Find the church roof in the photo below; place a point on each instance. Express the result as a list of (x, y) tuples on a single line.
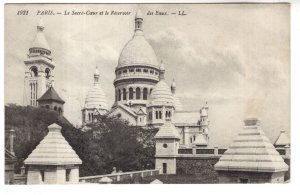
[(168, 130), (53, 150), (251, 151), (200, 140), (124, 107), (96, 98), (51, 94), (40, 40), (282, 139), (137, 51), (161, 94)]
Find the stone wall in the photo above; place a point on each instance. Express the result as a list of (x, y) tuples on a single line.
[(201, 166)]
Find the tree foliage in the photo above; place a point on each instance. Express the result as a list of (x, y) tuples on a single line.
[(110, 142)]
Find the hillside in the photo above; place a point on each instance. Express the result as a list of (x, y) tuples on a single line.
[(110, 142)]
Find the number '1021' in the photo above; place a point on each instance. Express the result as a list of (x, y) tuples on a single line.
[(22, 12)]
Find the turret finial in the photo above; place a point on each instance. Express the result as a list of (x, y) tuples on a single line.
[(40, 25), (138, 20), (162, 71), (96, 75), (173, 86)]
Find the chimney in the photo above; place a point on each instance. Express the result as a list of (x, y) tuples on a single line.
[(11, 141)]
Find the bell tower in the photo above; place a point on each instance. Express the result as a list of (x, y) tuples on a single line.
[(39, 68)]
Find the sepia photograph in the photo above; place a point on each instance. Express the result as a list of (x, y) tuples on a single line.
[(147, 93)]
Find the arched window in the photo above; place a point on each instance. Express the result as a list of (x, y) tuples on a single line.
[(156, 114), (167, 114), (159, 114), (34, 71), (124, 94), (47, 106), (47, 71), (138, 93), (145, 93), (119, 95), (150, 90), (170, 114), (130, 93)]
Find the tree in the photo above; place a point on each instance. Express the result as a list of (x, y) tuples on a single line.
[(110, 142)]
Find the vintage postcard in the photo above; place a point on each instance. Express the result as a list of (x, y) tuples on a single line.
[(147, 93)]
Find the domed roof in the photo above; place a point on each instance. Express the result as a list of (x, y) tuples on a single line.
[(177, 103), (161, 94), (96, 97), (137, 52)]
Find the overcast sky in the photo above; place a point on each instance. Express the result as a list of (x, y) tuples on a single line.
[(235, 57)]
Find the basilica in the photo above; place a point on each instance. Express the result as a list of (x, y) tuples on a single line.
[(142, 96)]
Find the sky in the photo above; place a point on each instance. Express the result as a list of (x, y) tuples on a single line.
[(236, 57)]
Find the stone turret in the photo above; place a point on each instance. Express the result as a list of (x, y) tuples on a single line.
[(53, 161), (166, 147), (251, 158)]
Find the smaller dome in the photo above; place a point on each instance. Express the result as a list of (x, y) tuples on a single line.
[(161, 94), (96, 98)]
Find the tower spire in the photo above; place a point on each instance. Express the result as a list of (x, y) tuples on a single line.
[(173, 86), (161, 71), (138, 21), (96, 76), (40, 26)]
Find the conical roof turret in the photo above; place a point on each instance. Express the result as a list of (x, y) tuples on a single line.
[(53, 150), (252, 151)]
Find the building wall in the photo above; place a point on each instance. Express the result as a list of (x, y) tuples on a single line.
[(9, 172), (171, 165), (252, 177), (52, 174), (197, 165), (171, 149)]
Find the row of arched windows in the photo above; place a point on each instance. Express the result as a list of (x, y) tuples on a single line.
[(34, 72), (158, 115), (138, 70), (122, 94)]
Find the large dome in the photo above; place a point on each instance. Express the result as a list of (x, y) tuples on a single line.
[(138, 52), (161, 94), (96, 98)]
